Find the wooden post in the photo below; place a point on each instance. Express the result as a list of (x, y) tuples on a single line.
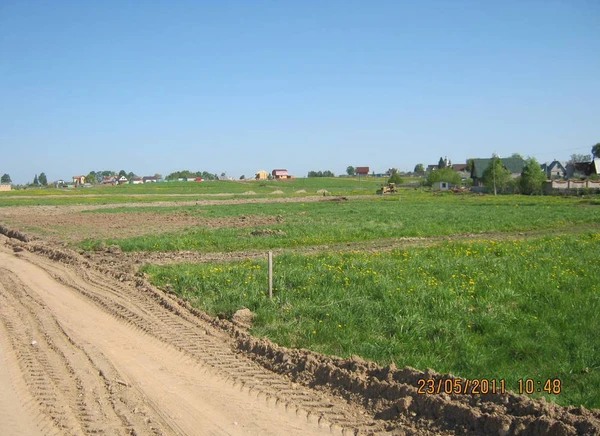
[(270, 275)]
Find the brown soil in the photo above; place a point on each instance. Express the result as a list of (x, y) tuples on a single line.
[(87, 346), (68, 224)]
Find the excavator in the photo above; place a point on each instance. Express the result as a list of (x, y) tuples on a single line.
[(390, 188)]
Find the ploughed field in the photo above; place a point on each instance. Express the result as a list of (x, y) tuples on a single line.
[(501, 292)]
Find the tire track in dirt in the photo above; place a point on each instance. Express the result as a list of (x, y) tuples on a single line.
[(183, 331), (198, 346), (70, 385)]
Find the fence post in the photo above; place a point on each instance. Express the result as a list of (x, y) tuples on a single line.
[(270, 275)]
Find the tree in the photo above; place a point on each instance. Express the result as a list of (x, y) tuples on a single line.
[(242, 177), (350, 170), (130, 175), (443, 175), (35, 180), (396, 178), (580, 158), (532, 177), (419, 169), (516, 156), (5, 178), (91, 178), (325, 173), (470, 164), (596, 150), (441, 163), (42, 179), (495, 176)]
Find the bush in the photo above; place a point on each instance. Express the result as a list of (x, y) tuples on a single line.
[(395, 178)]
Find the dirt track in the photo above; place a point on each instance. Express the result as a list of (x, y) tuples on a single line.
[(87, 348), (98, 357)]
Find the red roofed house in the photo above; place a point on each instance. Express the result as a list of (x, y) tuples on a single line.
[(79, 180), (280, 174), (361, 171)]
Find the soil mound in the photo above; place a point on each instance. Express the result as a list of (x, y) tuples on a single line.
[(264, 232), (249, 193), (243, 318), (278, 191)]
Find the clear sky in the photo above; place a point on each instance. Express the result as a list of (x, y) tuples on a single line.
[(238, 86)]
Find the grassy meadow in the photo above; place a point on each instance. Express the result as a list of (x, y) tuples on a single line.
[(484, 308), (411, 214), (173, 191)]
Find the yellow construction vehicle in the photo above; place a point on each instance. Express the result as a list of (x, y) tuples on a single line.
[(390, 188)]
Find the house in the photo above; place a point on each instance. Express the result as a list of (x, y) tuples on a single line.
[(5, 187), (198, 179), (150, 179), (261, 175), (431, 168), (596, 166), (109, 180), (513, 164), (136, 180), (122, 180), (440, 186), (459, 167), (79, 180), (361, 171), (280, 174), (554, 170), (582, 169)]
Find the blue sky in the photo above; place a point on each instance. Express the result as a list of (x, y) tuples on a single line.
[(237, 86)]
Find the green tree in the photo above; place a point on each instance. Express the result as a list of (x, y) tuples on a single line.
[(91, 178), (5, 178), (242, 177), (443, 175), (532, 177), (419, 168), (350, 170), (42, 179), (596, 150), (395, 178), (35, 180), (441, 163), (470, 163), (495, 176)]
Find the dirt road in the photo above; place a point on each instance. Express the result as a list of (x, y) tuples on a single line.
[(87, 355)]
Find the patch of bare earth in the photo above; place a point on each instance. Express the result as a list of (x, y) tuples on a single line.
[(93, 348)]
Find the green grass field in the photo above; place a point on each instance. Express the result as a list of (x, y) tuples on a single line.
[(170, 191), (487, 308), (409, 215)]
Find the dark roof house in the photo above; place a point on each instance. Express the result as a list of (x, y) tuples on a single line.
[(554, 170), (513, 164), (361, 171)]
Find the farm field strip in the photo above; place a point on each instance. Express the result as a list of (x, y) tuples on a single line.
[(302, 224)]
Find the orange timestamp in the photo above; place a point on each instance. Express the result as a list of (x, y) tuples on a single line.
[(458, 386)]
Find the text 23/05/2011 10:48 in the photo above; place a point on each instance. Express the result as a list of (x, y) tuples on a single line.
[(484, 386)]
